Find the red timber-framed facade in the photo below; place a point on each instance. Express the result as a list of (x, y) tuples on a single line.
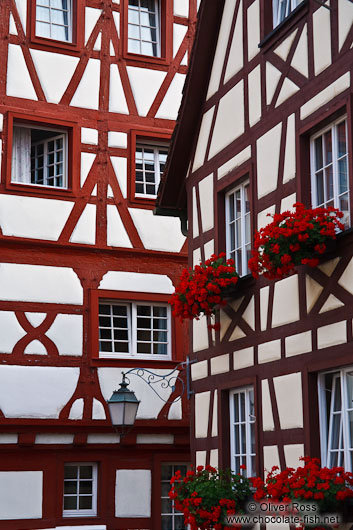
[(89, 94), (275, 94)]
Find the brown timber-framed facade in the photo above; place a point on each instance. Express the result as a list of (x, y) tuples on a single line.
[(257, 109)]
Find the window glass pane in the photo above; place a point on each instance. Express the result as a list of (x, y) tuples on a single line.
[(85, 487), (70, 486), (329, 182), (341, 139), (133, 46), (320, 188), (85, 503), (342, 173), (143, 347), (328, 147), (166, 472), (318, 153), (42, 29), (43, 14), (70, 503)]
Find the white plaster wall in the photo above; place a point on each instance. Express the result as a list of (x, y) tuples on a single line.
[(254, 95), (300, 57), (325, 95), (145, 84), (289, 170), (229, 123), (103, 438), (283, 312), (67, 334), (170, 105), (322, 39), (288, 89), (18, 81), (235, 59), (47, 66), (199, 334), (271, 457), (117, 99), (22, 11), (33, 217), (269, 351), (331, 335), (10, 331), (199, 370), (293, 453), (220, 364), (35, 347), (243, 358), (87, 160), (54, 438), (76, 411), (283, 49), (150, 403), (36, 391), (222, 43), (21, 494), (12, 26), (89, 136), (195, 222), (345, 17), (137, 282), (155, 439), (234, 162), (214, 458), (175, 411), (253, 15), (181, 8), (331, 303), (288, 389), (313, 291), (272, 77), (156, 233), (200, 457), (214, 427), (133, 484), (196, 256), (98, 411), (117, 139), (203, 139), (264, 296), (206, 202), (85, 229), (268, 147), (91, 17), (116, 233), (202, 411), (120, 169), (39, 283), (346, 280), (267, 415), (87, 92), (209, 249), (298, 344)]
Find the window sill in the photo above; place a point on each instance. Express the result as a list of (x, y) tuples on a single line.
[(38, 190), (44, 43), (128, 362), (139, 58), (285, 26)]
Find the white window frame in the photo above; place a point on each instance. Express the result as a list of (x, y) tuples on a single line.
[(59, 134), (83, 513), (157, 12), (51, 24), (336, 195), (132, 331), (249, 420), (172, 515), (326, 429), (276, 9), (157, 170), (244, 243)]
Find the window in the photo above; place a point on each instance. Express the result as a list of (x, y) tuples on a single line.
[(329, 168), (242, 431), (134, 329), (150, 162), (54, 19), (282, 8), (336, 418), (39, 156), (80, 490), (238, 233), (144, 27), (171, 518)]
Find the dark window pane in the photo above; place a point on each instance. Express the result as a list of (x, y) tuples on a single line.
[(70, 486), (85, 503), (70, 503), (70, 472)]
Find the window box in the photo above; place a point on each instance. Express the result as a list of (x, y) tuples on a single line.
[(146, 27), (57, 23), (80, 489), (41, 155), (148, 155)]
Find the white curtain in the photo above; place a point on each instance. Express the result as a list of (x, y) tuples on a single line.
[(21, 155)]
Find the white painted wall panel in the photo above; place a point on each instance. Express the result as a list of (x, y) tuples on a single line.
[(117, 139), (268, 147), (345, 18), (76, 411), (35, 348), (170, 105), (206, 202), (67, 334), (234, 162), (10, 331), (325, 95), (18, 82), (54, 438), (98, 412), (8, 438), (145, 84), (22, 11), (120, 169), (89, 136), (156, 233), (33, 217), (322, 39), (39, 283), (229, 123), (202, 408), (288, 390), (87, 160), (12, 26), (133, 484), (287, 90), (235, 59), (199, 334), (283, 49), (35, 391), (48, 65), (137, 281), (181, 8), (253, 15), (175, 411), (272, 77), (117, 100), (87, 92), (254, 95), (283, 312), (116, 233), (300, 57), (21, 494), (85, 229), (179, 32), (289, 170), (91, 17), (203, 139)]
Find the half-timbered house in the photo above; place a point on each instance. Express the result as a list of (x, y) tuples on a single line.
[(266, 121), (89, 94)]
